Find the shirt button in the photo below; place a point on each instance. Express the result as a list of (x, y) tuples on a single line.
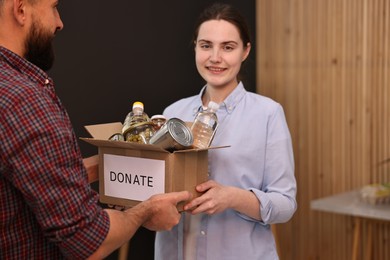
[(46, 81), (203, 233)]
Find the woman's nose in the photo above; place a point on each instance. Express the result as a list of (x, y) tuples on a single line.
[(215, 56)]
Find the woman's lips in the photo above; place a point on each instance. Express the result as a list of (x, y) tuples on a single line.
[(215, 69)]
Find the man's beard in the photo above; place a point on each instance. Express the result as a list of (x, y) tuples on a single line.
[(39, 47)]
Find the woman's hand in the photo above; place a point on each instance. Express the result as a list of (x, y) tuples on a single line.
[(216, 198)]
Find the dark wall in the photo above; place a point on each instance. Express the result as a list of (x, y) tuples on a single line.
[(112, 53)]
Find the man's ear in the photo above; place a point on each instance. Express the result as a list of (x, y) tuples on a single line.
[(19, 11)]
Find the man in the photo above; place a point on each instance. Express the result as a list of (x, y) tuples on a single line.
[(47, 208)]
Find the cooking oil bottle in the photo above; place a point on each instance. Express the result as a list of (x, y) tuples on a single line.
[(137, 126)]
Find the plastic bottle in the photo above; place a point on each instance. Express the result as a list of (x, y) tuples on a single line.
[(137, 126), (136, 115), (204, 126)]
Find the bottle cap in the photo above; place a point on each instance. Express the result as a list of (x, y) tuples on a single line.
[(138, 104), (213, 106)]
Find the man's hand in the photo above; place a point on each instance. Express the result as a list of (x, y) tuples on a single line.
[(164, 214)]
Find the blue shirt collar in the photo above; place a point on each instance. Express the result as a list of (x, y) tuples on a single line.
[(229, 104)]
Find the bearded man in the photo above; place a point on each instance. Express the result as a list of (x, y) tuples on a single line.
[(47, 207)]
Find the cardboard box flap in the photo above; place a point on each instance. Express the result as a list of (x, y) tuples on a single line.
[(104, 131), (199, 150), (123, 145)]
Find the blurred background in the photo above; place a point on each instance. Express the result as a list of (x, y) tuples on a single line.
[(326, 61)]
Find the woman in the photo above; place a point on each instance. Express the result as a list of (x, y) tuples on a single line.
[(252, 183)]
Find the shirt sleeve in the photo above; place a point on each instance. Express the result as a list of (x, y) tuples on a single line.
[(44, 163), (278, 192), (277, 200)]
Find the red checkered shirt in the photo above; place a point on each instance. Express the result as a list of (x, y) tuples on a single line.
[(47, 208)]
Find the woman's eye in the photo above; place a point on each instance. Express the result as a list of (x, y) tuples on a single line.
[(205, 46)]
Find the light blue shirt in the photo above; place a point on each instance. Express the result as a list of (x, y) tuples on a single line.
[(260, 159)]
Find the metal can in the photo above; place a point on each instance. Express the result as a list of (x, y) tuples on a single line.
[(173, 135)]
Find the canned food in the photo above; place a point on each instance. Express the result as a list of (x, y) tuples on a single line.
[(139, 133), (173, 135)]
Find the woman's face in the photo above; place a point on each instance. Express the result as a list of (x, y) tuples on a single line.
[(219, 52)]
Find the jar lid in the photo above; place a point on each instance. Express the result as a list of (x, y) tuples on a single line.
[(158, 117)]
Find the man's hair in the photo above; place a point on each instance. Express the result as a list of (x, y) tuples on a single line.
[(1, 6), (3, 1), (30, 1)]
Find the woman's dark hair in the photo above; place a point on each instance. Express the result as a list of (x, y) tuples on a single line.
[(226, 12)]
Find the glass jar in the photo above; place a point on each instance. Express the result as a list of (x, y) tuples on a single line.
[(139, 133), (158, 121)]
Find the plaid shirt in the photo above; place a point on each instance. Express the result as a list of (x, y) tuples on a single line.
[(47, 208)]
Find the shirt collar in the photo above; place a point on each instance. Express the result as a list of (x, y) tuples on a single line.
[(25, 67), (229, 104)]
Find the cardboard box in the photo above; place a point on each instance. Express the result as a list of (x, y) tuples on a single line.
[(131, 172)]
